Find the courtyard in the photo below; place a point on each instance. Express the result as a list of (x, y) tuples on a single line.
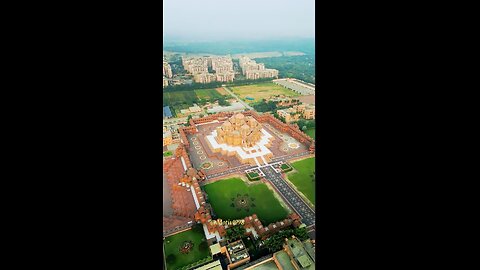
[(185, 248), (202, 157), (233, 199)]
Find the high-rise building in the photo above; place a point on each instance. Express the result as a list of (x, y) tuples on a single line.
[(253, 70), (225, 76), (167, 70), (204, 78)]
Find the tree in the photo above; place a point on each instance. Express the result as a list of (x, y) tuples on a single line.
[(223, 102), (301, 233), (304, 128), (203, 246), (235, 232)]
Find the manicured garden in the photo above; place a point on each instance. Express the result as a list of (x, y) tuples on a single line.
[(304, 177), (285, 167), (233, 199), (186, 248), (253, 176)]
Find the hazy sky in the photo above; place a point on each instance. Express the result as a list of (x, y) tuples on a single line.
[(225, 19)]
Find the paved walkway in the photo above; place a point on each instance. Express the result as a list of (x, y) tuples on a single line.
[(290, 195)]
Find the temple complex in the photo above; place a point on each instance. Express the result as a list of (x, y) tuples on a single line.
[(243, 137), (239, 130)]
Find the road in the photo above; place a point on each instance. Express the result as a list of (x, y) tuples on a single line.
[(239, 99), (295, 201)]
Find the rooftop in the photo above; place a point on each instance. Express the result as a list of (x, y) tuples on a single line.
[(167, 112), (216, 265), (300, 254)]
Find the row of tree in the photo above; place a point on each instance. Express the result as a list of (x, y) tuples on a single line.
[(193, 86)]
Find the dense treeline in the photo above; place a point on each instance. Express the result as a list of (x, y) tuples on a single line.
[(300, 67), (270, 106), (233, 47), (193, 86), (275, 242)]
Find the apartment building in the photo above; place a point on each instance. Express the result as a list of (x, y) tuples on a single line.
[(309, 113), (225, 76), (167, 70), (204, 77), (196, 65), (253, 70), (261, 74), (221, 64), (296, 112)]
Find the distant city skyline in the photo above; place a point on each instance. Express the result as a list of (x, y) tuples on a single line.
[(216, 20)]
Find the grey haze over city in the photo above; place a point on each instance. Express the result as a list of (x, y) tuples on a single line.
[(222, 20)]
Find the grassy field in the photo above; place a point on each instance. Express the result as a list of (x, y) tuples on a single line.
[(176, 99), (222, 91), (223, 193), (261, 91), (310, 132), (208, 94), (302, 179), (174, 242)]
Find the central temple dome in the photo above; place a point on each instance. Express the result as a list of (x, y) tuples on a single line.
[(239, 130)]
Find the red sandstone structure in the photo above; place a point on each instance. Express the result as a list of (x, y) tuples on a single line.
[(182, 180), (291, 129)]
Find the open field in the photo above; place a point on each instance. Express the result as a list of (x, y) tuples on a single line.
[(174, 242), (208, 94), (303, 179), (261, 91), (179, 98), (224, 194), (222, 91)]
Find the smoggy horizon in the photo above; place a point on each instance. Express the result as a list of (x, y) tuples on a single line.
[(222, 20)]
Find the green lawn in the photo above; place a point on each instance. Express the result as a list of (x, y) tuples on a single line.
[(253, 176), (303, 179), (167, 153), (310, 132), (261, 90), (180, 99), (224, 193), (208, 94), (174, 242)]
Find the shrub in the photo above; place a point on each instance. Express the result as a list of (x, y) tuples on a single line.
[(203, 246)]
